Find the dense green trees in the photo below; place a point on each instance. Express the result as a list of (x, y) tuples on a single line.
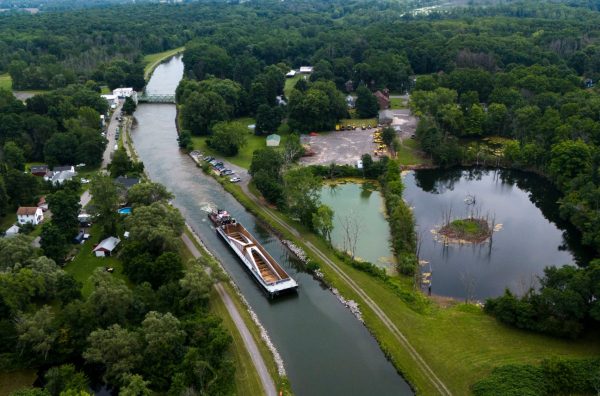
[(366, 103), (316, 109), (228, 137)]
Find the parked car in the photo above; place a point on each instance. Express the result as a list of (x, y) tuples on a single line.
[(213, 162), (84, 181), (208, 159), (363, 127), (235, 179), (219, 163), (226, 172)]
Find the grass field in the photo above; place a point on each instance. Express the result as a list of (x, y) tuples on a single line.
[(153, 60), (244, 157), (5, 81), (397, 103), (460, 343), (10, 382), (289, 84), (85, 263), (409, 153)]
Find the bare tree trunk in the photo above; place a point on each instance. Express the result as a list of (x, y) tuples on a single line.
[(351, 232)]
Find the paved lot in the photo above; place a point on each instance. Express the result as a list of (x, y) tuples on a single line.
[(346, 147), (343, 147)]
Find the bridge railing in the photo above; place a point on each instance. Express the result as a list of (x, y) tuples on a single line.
[(156, 98)]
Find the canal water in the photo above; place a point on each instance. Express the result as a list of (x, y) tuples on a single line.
[(530, 233), (363, 204), (325, 349)]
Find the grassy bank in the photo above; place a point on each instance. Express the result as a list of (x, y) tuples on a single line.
[(5, 81), (153, 60), (459, 342)]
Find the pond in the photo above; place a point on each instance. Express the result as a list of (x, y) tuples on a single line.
[(360, 203), (530, 234)]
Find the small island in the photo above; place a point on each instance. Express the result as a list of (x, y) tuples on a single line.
[(468, 230)]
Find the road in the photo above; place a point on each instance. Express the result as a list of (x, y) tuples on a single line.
[(110, 136), (400, 337), (249, 343)]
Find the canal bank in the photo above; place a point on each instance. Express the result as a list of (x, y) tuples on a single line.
[(325, 349)]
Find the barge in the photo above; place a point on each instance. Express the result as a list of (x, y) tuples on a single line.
[(265, 270)]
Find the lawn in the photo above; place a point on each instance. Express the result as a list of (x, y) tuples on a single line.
[(153, 60), (11, 381), (409, 153), (84, 264), (289, 84), (5, 81), (460, 343), (244, 157), (397, 103)]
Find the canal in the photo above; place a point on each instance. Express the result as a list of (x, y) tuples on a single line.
[(325, 349)]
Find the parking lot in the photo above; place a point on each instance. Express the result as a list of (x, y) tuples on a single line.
[(346, 147), (343, 147)]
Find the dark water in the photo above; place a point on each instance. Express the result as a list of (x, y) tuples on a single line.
[(532, 235), (325, 349)]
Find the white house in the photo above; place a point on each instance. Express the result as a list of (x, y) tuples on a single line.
[(290, 74), (306, 69), (60, 176), (113, 100), (106, 247), (30, 214), (123, 92)]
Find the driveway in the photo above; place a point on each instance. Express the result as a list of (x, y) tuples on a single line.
[(343, 147)]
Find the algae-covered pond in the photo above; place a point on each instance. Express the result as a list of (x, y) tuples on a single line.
[(362, 203)]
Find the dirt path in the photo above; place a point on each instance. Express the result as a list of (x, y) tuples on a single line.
[(419, 361), (251, 347)]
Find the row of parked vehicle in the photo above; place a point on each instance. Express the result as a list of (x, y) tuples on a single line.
[(220, 167)]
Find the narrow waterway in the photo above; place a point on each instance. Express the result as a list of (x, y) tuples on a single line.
[(325, 349)]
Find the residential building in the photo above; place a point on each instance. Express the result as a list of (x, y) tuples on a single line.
[(39, 170), (30, 214), (306, 69), (383, 98)]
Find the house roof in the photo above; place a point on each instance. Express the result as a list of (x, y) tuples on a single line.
[(38, 168), (63, 168), (14, 229), (27, 210), (127, 182), (62, 176), (108, 244)]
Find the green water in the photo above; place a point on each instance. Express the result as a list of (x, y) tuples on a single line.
[(363, 203)]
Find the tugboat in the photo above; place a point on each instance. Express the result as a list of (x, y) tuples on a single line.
[(265, 270)]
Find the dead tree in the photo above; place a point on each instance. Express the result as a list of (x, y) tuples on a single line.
[(351, 227)]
